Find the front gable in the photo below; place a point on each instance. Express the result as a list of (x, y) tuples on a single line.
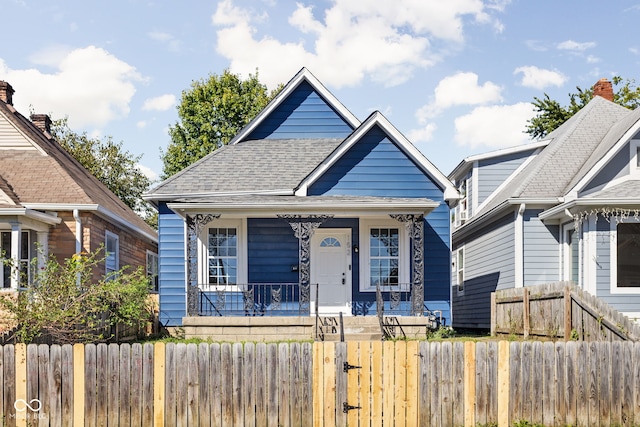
[(377, 160), (375, 166), (303, 109)]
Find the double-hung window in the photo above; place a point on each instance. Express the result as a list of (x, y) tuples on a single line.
[(384, 250), (222, 246), (222, 254), (112, 248), (24, 258), (152, 270), (459, 269)]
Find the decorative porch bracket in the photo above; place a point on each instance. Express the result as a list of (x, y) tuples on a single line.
[(415, 226), (195, 223), (303, 228)]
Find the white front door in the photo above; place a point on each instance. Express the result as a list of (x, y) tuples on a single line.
[(331, 271)]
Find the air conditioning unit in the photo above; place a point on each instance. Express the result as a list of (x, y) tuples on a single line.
[(463, 216)]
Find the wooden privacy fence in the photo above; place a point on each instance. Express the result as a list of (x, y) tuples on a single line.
[(403, 383), (558, 310)]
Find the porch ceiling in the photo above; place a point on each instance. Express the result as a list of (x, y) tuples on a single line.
[(260, 204)]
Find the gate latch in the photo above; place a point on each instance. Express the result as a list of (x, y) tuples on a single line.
[(346, 367), (346, 407)]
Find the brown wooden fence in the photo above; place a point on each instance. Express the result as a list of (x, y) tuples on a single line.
[(403, 383), (558, 310)]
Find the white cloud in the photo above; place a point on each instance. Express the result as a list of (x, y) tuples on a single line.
[(148, 172), (352, 40), (159, 103), (536, 45), (423, 134), (592, 59), (89, 85), (141, 124), (540, 78), (494, 126), (168, 39), (459, 89), (575, 46)]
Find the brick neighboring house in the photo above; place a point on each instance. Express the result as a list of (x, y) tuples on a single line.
[(49, 200)]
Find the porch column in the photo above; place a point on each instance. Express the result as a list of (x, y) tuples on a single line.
[(415, 226), (303, 228), (195, 223)]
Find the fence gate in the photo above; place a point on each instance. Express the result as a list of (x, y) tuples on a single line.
[(366, 383)]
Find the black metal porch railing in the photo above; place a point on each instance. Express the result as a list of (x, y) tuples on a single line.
[(290, 299), (255, 299), (399, 301)]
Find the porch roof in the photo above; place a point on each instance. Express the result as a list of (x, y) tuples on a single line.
[(261, 204)]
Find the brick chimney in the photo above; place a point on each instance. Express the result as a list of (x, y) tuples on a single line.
[(604, 89), (6, 92), (42, 122)]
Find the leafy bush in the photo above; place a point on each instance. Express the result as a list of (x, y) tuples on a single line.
[(64, 303), (441, 333)]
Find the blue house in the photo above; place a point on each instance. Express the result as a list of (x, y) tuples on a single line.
[(566, 208), (306, 210)]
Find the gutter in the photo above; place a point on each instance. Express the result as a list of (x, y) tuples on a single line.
[(268, 208), (33, 214), (92, 208)]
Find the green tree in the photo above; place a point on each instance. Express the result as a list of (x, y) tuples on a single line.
[(109, 162), (67, 305), (550, 114), (211, 112)]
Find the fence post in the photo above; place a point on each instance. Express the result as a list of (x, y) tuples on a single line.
[(493, 314), (567, 313), (526, 313)]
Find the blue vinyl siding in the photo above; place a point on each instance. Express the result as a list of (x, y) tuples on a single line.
[(489, 266), (617, 167), (375, 166), (273, 251), (492, 173), (541, 250), (303, 114), (172, 273)]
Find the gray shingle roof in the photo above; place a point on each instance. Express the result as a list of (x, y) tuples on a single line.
[(627, 190), (56, 177), (576, 145), (250, 166)]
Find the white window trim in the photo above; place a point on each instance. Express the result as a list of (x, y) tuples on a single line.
[(634, 169), (457, 270), (404, 262), (613, 259), (107, 235), (240, 224)]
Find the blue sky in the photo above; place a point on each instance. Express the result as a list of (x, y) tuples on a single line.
[(457, 77)]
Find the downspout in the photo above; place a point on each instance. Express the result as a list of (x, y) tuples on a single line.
[(519, 247), (76, 216)]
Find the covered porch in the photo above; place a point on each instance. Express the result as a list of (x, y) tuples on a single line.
[(355, 256)]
